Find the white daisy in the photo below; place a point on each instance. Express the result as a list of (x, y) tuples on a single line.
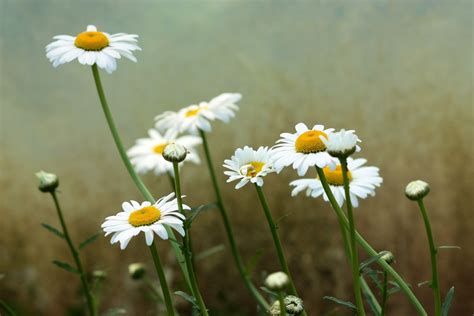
[(249, 165), (197, 117), (92, 47), (362, 182), (145, 218), (342, 143), (303, 149), (147, 153)]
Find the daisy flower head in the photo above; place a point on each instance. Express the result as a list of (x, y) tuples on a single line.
[(145, 217), (147, 153), (92, 47), (362, 182), (197, 117), (303, 149), (342, 143), (249, 165)]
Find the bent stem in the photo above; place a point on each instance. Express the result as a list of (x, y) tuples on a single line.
[(85, 285), (366, 246), (228, 228), (162, 278), (434, 264), (186, 246), (354, 252), (136, 179)]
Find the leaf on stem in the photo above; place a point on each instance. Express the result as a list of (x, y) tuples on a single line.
[(53, 230), (195, 211), (269, 292), (191, 299), (341, 302), (447, 302), (253, 261), (209, 252), (374, 276), (424, 282), (448, 247), (66, 266), (281, 218), (88, 241)]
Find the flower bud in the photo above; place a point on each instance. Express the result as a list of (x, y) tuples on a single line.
[(387, 256), (417, 190), (293, 305), (275, 308), (136, 270), (175, 152), (48, 181), (277, 281), (99, 274)]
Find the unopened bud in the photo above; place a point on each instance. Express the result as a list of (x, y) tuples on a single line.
[(277, 281), (275, 308), (175, 152), (387, 256), (99, 274), (293, 305), (136, 270), (417, 190), (48, 181)]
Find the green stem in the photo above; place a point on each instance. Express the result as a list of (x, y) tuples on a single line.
[(384, 293), (228, 228), (186, 246), (85, 285), (136, 179), (282, 303), (354, 252), (162, 278), (434, 264), (371, 251)]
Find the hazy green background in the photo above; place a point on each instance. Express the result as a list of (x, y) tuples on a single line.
[(398, 72)]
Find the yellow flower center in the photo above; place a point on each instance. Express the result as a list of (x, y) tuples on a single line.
[(158, 149), (253, 168), (192, 112), (334, 177), (144, 217), (91, 41), (309, 142)]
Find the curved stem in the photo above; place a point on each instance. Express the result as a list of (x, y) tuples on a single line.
[(186, 246), (228, 228), (434, 264), (136, 179), (384, 293), (354, 252), (371, 251), (282, 303), (162, 278), (85, 285)]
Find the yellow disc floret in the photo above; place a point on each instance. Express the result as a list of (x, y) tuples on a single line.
[(253, 168), (91, 41), (334, 177), (192, 112), (144, 217), (158, 149), (309, 142)]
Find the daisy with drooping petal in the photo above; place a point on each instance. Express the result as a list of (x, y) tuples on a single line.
[(248, 165), (303, 149), (147, 154), (197, 117), (147, 218), (362, 182), (342, 143), (92, 47)]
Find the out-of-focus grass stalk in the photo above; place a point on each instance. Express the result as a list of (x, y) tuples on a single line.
[(384, 293), (282, 303), (366, 246), (228, 228), (186, 246), (162, 278), (136, 179), (352, 241)]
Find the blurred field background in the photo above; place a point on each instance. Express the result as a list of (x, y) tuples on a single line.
[(398, 72)]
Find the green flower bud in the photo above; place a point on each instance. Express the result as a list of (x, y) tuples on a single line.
[(175, 152), (136, 270), (277, 281), (48, 181), (293, 305), (416, 190)]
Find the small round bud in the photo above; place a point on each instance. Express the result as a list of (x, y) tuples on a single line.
[(48, 181), (136, 270), (417, 190), (277, 281), (293, 305), (387, 256), (275, 308), (175, 152), (99, 274)]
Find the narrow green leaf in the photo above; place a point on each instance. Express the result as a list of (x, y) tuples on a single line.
[(114, 311), (66, 266), (449, 247), (7, 308), (341, 302), (423, 283), (253, 261), (370, 301), (374, 276), (281, 219), (447, 302), (269, 292), (53, 230), (394, 289), (196, 211), (209, 252), (187, 297), (88, 241)]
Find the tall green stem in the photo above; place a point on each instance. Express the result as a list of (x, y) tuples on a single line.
[(136, 179), (282, 303), (85, 285), (228, 228), (276, 240), (162, 278), (366, 246), (186, 247), (354, 252), (434, 264), (384, 293)]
